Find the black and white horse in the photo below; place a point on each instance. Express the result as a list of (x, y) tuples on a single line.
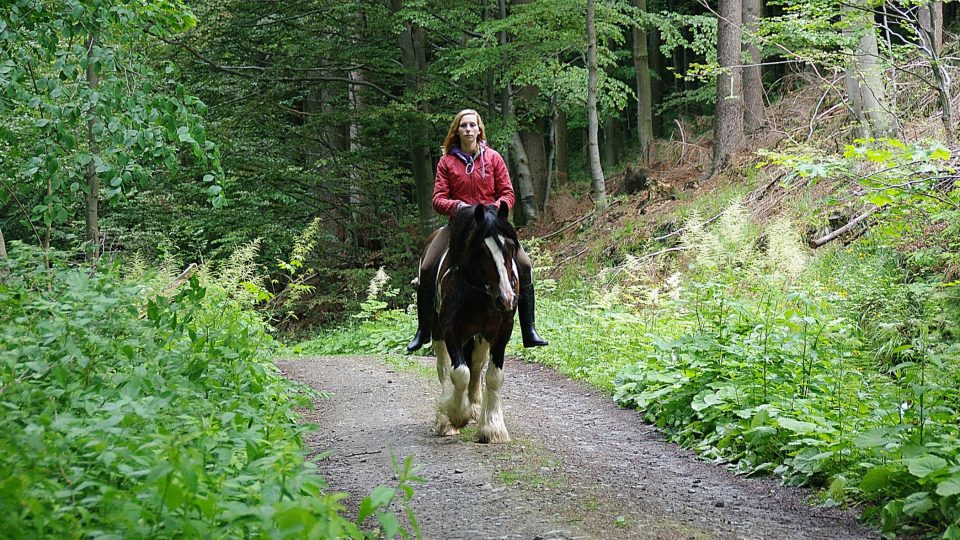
[(477, 295)]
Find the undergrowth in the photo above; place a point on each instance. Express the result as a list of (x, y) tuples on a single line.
[(838, 372), (133, 412)]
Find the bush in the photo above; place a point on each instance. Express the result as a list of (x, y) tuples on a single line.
[(128, 414)]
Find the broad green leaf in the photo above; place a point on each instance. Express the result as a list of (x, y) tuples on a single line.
[(875, 480), (950, 486), (796, 426), (924, 466), (918, 504)]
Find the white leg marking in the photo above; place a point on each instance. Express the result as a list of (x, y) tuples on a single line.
[(443, 427), (492, 429), (458, 406), (478, 362), (505, 290)]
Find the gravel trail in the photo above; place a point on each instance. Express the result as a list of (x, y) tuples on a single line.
[(578, 466)]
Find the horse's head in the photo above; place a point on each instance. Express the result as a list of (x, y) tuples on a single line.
[(484, 246)]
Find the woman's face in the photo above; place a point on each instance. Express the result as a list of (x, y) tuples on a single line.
[(469, 129)]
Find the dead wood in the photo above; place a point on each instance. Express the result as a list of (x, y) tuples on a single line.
[(817, 242)]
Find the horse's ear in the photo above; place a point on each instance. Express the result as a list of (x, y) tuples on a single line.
[(479, 211), (504, 210)]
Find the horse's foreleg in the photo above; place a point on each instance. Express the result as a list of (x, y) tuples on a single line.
[(457, 406), (443, 427), (492, 428), (478, 362)]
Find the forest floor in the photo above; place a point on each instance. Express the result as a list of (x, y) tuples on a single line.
[(578, 466)]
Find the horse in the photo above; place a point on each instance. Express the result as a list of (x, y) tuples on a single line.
[(477, 294)]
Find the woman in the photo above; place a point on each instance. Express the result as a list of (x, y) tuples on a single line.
[(470, 172)]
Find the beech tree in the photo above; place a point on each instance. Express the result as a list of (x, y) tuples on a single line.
[(728, 120), (84, 107), (754, 112), (864, 77), (596, 170), (641, 65)]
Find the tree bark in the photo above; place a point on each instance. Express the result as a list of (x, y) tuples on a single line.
[(754, 113), (926, 27), (596, 170), (413, 58), (864, 75), (562, 149), (930, 18), (92, 195), (657, 65), (641, 65), (523, 180), (609, 150), (534, 143), (728, 121), (3, 246)]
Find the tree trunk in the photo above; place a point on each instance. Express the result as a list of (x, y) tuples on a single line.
[(864, 75), (754, 113), (927, 24), (641, 64), (3, 246), (609, 150), (657, 66), (92, 195), (596, 170), (523, 183), (728, 121), (413, 58), (930, 18), (562, 149), (534, 144)]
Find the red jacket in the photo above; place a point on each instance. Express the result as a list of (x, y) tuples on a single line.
[(487, 183)]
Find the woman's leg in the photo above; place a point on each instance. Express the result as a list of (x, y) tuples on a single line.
[(426, 288), (526, 305)]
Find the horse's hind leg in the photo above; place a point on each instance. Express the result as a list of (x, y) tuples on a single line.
[(492, 428), (478, 362), (454, 403), (443, 427)]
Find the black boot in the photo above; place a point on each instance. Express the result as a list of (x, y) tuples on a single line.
[(424, 316), (525, 307)]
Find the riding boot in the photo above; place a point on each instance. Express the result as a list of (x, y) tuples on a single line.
[(525, 307), (425, 309)]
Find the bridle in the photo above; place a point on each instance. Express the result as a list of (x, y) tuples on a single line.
[(486, 289)]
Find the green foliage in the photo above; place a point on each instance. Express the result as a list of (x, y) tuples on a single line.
[(133, 414), (77, 100), (837, 373)]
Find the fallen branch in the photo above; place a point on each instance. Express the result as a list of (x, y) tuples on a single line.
[(568, 259), (181, 279), (661, 252), (569, 225), (815, 243), (566, 227)]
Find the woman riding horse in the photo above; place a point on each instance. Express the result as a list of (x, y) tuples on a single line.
[(470, 172)]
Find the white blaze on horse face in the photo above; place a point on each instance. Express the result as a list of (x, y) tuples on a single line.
[(506, 291)]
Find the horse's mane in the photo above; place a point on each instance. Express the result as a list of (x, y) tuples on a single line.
[(466, 239), (466, 232)]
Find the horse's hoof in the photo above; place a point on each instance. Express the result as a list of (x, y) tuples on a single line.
[(444, 429), (487, 435)]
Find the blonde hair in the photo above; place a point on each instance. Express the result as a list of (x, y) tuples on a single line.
[(453, 136)]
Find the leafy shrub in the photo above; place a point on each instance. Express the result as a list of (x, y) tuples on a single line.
[(130, 414), (837, 373)]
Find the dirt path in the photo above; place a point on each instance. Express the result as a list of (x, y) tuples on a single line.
[(578, 466)]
